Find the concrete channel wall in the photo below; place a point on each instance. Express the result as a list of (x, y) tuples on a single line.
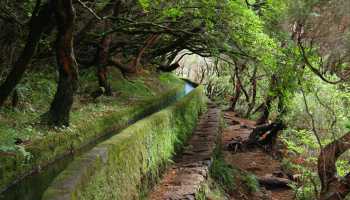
[(126, 165), (47, 150)]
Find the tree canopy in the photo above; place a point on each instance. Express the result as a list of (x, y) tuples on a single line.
[(270, 60)]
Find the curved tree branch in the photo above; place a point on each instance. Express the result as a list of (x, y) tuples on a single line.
[(312, 68)]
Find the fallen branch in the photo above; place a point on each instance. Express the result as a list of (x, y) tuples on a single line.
[(90, 10)]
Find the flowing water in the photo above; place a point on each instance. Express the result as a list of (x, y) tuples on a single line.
[(188, 88), (33, 187)]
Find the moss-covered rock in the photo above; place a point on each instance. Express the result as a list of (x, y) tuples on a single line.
[(122, 167)]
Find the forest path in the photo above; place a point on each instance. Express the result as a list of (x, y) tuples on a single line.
[(255, 161), (183, 180)]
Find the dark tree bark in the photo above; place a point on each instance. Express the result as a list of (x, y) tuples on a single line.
[(150, 42), (271, 96), (102, 70), (253, 92), (236, 96), (168, 68), (264, 118), (107, 10), (103, 53), (333, 187), (67, 67), (41, 19), (15, 99), (238, 89), (134, 64), (178, 45), (266, 134)]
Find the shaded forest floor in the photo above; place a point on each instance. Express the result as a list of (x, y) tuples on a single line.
[(254, 161)]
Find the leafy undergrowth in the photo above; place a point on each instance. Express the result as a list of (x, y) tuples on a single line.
[(228, 181), (301, 160), (36, 91)]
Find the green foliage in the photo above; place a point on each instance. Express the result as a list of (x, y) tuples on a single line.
[(117, 174), (145, 4), (211, 190), (218, 87), (173, 13), (251, 182), (300, 141), (89, 120), (301, 9), (223, 173), (308, 183), (237, 38), (343, 167)]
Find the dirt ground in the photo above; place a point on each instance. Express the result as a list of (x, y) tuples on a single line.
[(256, 161)]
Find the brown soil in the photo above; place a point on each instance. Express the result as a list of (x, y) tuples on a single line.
[(255, 161)]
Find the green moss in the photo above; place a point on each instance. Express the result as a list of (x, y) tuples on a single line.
[(251, 182), (223, 173), (211, 190), (136, 155), (89, 122)]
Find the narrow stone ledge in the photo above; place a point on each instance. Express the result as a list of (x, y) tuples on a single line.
[(190, 171)]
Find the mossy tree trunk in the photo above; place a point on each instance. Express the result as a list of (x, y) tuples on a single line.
[(67, 67), (102, 70), (40, 20), (104, 50), (333, 186)]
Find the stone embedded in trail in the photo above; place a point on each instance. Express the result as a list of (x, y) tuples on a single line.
[(186, 177), (273, 182)]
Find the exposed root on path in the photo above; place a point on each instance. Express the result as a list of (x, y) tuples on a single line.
[(257, 161)]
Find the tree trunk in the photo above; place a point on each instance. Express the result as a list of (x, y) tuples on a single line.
[(102, 71), (68, 72), (134, 65), (253, 93), (266, 111), (103, 52), (266, 134), (235, 98), (93, 22), (271, 96), (41, 19), (169, 68), (333, 187), (238, 87)]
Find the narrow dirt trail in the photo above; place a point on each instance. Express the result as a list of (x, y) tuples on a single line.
[(255, 161)]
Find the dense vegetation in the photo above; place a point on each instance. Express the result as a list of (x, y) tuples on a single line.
[(280, 62)]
